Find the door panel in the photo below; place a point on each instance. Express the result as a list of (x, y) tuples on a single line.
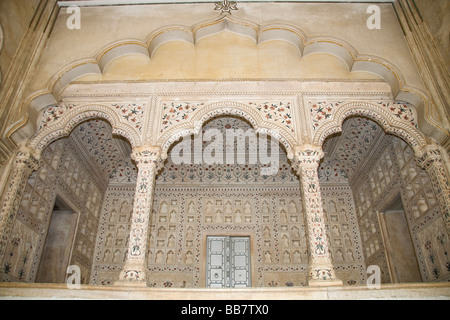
[(228, 262), (240, 262), (216, 260)]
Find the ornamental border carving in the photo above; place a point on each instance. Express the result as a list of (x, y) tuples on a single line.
[(73, 115), (214, 109), (405, 129), (144, 126)]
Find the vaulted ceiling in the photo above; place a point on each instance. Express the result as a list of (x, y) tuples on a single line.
[(103, 151), (344, 153)]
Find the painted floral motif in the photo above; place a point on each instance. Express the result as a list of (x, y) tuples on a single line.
[(321, 111), (435, 249), (401, 111), (176, 113), (355, 143), (131, 112), (53, 113), (126, 172), (98, 141), (332, 171), (277, 112), (322, 274)]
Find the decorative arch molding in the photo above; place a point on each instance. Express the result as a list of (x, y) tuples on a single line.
[(395, 118), (39, 101), (259, 34), (58, 121), (222, 108)]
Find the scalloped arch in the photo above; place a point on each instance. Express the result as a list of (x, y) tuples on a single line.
[(71, 119), (217, 109), (292, 34), (389, 124), (259, 34)]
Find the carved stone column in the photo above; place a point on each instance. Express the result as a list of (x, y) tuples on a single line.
[(431, 158), (26, 161), (306, 163), (149, 162)]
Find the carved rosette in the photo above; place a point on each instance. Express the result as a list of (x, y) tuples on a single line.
[(306, 163), (431, 159), (149, 162), (26, 161)]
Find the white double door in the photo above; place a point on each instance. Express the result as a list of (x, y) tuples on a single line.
[(228, 262)]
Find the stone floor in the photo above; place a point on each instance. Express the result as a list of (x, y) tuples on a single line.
[(422, 291)]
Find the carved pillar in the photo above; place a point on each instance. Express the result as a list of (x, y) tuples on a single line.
[(306, 163), (25, 162), (432, 160), (149, 162)]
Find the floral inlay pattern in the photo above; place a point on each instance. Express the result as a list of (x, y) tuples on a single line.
[(355, 143), (401, 111), (321, 111), (132, 113), (96, 138), (53, 113), (177, 113), (278, 112)]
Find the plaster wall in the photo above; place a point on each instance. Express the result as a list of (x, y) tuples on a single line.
[(436, 15), (15, 17)]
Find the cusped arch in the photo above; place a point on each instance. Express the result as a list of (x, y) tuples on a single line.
[(355, 62), (224, 108), (61, 128), (260, 34), (406, 130)]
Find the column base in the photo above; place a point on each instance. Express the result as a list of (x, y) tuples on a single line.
[(322, 274), (325, 283), (133, 274), (134, 284)]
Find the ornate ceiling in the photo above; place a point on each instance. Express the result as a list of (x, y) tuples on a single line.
[(345, 153), (103, 151)]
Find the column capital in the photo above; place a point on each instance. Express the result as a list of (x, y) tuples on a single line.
[(307, 155), (28, 157), (148, 155), (428, 156)]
